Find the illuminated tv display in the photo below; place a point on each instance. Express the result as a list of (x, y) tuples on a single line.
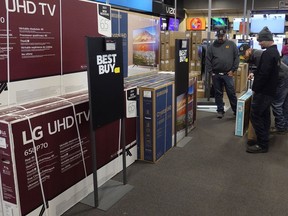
[(237, 23), (275, 23), (173, 24), (163, 23), (145, 46), (219, 22), (196, 23)]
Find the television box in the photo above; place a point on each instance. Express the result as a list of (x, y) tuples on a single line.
[(242, 113), (46, 139), (61, 136), (156, 120)]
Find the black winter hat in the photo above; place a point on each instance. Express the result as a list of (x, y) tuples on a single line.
[(265, 35)]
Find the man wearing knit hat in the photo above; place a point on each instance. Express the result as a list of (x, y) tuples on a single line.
[(264, 88)]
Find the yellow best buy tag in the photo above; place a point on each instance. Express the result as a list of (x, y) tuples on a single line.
[(186, 60), (117, 70)]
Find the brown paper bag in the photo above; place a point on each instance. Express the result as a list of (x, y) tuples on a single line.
[(251, 132)]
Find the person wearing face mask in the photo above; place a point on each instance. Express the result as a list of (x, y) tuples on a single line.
[(222, 61)]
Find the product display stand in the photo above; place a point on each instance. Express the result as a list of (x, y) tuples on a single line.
[(103, 74), (112, 191), (181, 84)]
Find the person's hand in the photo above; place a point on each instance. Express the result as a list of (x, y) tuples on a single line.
[(230, 73), (250, 76)]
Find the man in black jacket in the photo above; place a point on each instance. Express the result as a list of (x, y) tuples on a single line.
[(264, 88)]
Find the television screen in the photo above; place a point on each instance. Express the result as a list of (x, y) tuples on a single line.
[(145, 46), (275, 22), (163, 24), (173, 24), (217, 22), (197, 23), (237, 22)]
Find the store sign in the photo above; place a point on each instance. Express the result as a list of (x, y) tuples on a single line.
[(104, 20), (105, 80), (170, 10)]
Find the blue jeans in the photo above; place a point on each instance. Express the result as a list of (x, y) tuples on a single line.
[(260, 117), (280, 105), (220, 81)]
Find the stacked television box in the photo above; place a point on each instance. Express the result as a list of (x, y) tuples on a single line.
[(167, 48), (43, 143), (156, 120), (136, 83)]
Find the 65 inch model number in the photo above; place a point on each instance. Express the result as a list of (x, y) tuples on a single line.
[(38, 147)]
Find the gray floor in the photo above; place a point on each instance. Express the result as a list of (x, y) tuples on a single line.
[(211, 175)]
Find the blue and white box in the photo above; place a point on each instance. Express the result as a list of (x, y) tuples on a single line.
[(242, 113)]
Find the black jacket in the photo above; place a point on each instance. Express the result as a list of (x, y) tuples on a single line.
[(266, 76)]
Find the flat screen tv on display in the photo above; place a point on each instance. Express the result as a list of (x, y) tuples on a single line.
[(237, 22), (275, 23), (196, 23), (219, 22), (173, 24), (163, 23)]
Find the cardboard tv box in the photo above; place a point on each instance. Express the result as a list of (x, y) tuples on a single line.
[(242, 113), (156, 117), (61, 136), (39, 147)]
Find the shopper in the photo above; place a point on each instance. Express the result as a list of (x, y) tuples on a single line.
[(264, 88), (284, 53), (280, 103), (222, 61)]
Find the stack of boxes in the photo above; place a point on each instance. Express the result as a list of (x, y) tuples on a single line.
[(51, 138), (195, 63), (167, 50), (154, 108), (196, 39)]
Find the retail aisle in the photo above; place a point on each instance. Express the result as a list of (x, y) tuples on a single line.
[(211, 175)]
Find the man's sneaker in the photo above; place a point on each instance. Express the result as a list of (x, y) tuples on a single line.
[(275, 130), (220, 115), (256, 149)]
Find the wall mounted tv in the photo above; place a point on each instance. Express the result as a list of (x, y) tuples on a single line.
[(237, 22), (219, 22), (196, 23), (275, 23), (163, 23), (173, 24)]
